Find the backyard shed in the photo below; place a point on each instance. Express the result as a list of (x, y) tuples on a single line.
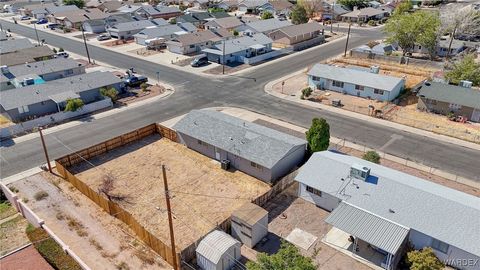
[(250, 224), (218, 251)]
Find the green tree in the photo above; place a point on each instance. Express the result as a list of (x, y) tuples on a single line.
[(299, 15), (465, 69), (403, 7), (235, 33), (215, 9), (372, 156), (287, 258), (111, 92), (306, 92), (78, 3), (424, 259), (173, 21), (318, 136), (350, 4), (428, 38), (266, 15), (73, 104)]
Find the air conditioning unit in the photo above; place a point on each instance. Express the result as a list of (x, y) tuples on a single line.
[(359, 172), (4, 69), (28, 81), (375, 69), (225, 163)]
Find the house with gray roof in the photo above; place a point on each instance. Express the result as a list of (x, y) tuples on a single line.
[(12, 45), (166, 32), (50, 97), (228, 23), (262, 152), (383, 209), (27, 55), (242, 50), (126, 30), (367, 84), (262, 26), (150, 12), (193, 43), (442, 47), (47, 70), (255, 6), (365, 14), (444, 98)]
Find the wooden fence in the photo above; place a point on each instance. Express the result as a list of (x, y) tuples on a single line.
[(109, 206)]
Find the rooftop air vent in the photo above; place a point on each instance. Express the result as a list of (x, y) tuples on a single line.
[(359, 172)]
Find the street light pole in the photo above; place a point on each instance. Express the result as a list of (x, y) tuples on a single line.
[(36, 33), (348, 36), (85, 42)]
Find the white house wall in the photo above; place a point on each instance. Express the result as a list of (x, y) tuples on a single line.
[(327, 201)]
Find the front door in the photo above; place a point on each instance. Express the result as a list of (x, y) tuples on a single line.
[(217, 153)]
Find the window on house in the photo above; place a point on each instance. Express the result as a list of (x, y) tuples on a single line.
[(314, 191), (192, 46), (359, 87), (337, 84), (440, 246), (454, 106), (431, 101), (23, 109), (255, 165), (378, 91), (315, 78), (69, 72)]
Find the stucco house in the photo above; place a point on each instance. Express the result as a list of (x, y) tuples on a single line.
[(367, 84), (126, 30), (365, 14), (262, 26), (255, 6), (383, 209), (50, 97), (300, 35), (228, 23), (445, 98), (166, 32), (259, 151), (193, 42)]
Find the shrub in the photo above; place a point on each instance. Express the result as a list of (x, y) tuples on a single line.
[(61, 50), (372, 23), (73, 104), (424, 259), (54, 50), (144, 87), (40, 195), (306, 92), (372, 156), (111, 92)]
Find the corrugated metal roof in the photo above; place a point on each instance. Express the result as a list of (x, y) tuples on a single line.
[(348, 75), (446, 214), (371, 228), (250, 141), (215, 244)]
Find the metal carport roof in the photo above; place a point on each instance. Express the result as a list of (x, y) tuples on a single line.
[(369, 227)]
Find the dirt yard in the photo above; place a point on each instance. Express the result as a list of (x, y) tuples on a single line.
[(203, 194), (409, 115), (12, 234), (101, 240)]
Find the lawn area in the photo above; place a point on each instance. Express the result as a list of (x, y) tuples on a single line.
[(50, 250), (6, 210)]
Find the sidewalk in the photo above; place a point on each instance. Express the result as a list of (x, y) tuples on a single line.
[(269, 86)]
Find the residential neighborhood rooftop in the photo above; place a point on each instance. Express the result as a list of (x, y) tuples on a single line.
[(133, 25), (42, 67), (251, 141), (268, 25), (26, 55), (250, 213), (215, 244), (354, 76), (240, 44), (465, 96), (398, 197), (12, 45), (300, 29)]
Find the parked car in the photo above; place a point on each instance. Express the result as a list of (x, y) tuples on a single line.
[(53, 26), (42, 21), (199, 61), (61, 54), (103, 37), (133, 81), (24, 18)]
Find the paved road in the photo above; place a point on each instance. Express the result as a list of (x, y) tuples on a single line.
[(245, 91)]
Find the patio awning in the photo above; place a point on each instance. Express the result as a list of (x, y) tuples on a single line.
[(369, 227), (62, 97), (257, 46)]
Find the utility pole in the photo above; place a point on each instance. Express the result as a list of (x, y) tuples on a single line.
[(333, 16), (45, 149), (36, 33), (85, 42), (170, 222), (450, 43), (223, 57), (158, 77), (348, 36)]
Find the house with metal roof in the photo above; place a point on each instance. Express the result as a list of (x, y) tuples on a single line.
[(218, 251), (246, 49), (47, 70), (298, 36), (367, 84), (444, 98), (262, 26), (165, 32), (126, 30), (262, 152), (383, 209), (50, 97)]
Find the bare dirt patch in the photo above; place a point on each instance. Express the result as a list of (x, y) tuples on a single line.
[(101, 240), (135, 95), (12, 234), (203, 194)]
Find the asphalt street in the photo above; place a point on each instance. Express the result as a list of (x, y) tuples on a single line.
[(244, 91)]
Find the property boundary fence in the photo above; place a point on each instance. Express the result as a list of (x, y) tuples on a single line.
[(36, 221), (111, 207), (396, 59)]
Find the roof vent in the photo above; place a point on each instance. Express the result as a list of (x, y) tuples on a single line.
[(359, 172), (391, 210)]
